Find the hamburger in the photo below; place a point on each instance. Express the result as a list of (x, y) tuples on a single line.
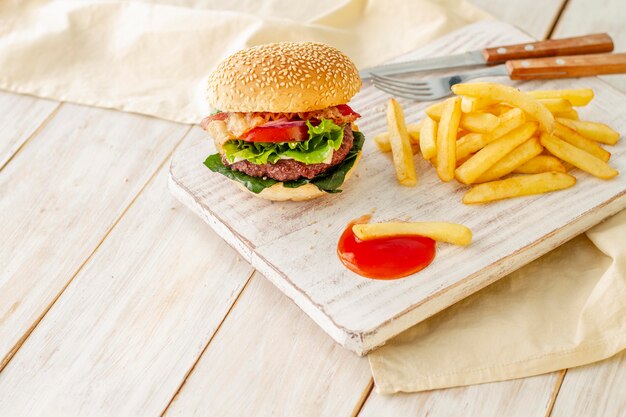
[(281, 123)]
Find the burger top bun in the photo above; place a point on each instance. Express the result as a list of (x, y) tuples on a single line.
[(286, 77)]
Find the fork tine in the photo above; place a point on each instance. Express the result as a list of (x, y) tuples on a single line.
[(420, 96), (410, 89), (400, 83)]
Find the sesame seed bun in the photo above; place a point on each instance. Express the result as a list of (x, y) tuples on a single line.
[(287, 77), (278, 192)]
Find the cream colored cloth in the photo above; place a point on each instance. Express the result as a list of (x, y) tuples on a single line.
[(153, 58), (566, 309)]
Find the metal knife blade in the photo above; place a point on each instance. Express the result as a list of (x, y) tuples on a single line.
[(428, 64)]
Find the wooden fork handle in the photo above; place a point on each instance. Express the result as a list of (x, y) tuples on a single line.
[(589, 44), (567, 66)]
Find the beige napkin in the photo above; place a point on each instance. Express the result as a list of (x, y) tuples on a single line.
[(565, 309), (154, 58)]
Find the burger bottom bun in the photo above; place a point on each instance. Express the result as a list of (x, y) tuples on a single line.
[(278, 192)]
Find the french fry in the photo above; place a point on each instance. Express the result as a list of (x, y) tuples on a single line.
[(472, 122), (539, 164), (470, 143), (572, 137), (570, 114), (592, 130), (510, 95), (509, 120), (518, 156), (577, 157), (400, 145), (457, 234), (461, 161), (518, 186), (497, 109), (474, 167), (556, 105), (579, 97), (382, 142), (428, 138), (446, 138), (414, 132), (479, 122), (472, 104), (382, 139), (434, 111)]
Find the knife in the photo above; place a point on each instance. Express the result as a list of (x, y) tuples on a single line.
[(589, 44)]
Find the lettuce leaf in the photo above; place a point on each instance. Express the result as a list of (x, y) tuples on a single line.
[(323, 140), (255, 152), (328, 181), (254, 184)]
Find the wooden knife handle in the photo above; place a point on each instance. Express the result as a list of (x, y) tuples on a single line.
[(590, 44), (567, 66)]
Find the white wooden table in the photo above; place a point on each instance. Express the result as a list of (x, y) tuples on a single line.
[(115, 300)]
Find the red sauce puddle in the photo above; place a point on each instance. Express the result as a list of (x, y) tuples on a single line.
[(385, 258)]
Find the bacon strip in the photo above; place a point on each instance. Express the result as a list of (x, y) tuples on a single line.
[(238, 124), (217, 116)]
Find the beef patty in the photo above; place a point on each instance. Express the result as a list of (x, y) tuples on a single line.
[(289, 169)]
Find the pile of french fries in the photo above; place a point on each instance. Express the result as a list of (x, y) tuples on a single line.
[(502, 142)]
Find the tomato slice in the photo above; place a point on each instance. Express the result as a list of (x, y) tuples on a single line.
[(284, 132)]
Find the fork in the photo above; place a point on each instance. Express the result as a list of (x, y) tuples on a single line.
[(525, 69)]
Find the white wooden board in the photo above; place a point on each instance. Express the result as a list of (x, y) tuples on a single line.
[(294, 244)]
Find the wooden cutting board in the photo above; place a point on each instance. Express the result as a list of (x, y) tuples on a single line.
[(294, 244)]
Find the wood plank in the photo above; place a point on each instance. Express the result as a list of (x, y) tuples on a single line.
[(533, 17), (20, 116), (528, 397), (60, 196), (269, 359), (360, 313), (593, 390), (123, 335), (581, 17)]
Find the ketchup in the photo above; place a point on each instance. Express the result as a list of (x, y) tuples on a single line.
[(385, 258)]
